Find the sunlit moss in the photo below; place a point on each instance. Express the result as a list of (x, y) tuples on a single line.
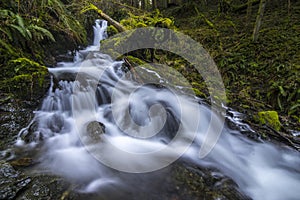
[(269, 118)]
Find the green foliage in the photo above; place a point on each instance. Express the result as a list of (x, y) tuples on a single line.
[(25, 65), (27, 29), (33, 23), (89, 7), (40, 33), (262, 75), (111, 30), (14, 25), (154, 19)]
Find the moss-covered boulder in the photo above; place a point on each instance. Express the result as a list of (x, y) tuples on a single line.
[(24, 78), (269, 118)]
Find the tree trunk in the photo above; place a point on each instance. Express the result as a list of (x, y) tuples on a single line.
[(111, 21), (259, 18), (154, 4), (143, 4), (136, 3), (164, 3), (249, 10), (245, 5)]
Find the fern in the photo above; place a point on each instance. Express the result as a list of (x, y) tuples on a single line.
[(5, 13), (42, 31), (7, 33), (20, 21), (7, 47), (21, 30)]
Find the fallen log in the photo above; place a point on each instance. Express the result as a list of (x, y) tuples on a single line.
[(110, 20)]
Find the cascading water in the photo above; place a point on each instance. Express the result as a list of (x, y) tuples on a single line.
[(99, 32), (70, 111)]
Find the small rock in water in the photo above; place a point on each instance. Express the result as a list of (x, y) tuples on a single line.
[(56, 123), (94, 130)]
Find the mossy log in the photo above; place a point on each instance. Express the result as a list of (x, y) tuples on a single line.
[(110, 20), (113, 22)]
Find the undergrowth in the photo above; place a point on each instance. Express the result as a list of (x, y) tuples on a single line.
[(258, 76)]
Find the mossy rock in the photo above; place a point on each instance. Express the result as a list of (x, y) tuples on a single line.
[(199, 93), (111, 30), (269, 118), (25, 78), (136, 60)]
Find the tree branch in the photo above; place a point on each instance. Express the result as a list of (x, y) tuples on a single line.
[(110, 20)]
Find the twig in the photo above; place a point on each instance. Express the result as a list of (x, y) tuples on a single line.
[(131, 68)]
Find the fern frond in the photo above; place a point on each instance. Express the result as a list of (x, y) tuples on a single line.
[(43, 31), (7, 33), (6, 13), (7, 47), (28, 33), (21, 30), (20, 20)]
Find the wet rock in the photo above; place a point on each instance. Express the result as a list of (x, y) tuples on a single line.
[(11, 123), (65, 76), (22, 162), (193, 182), (12, 182), (69, 76), (94, 131), (44, 187), (97, 55), (56, 123), (27, 134), (68, 57)]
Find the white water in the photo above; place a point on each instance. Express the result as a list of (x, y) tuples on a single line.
[(262, 171)]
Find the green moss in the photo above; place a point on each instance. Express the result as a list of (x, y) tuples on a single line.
[(23, 77), (140, 25), (135, 60), (198, 93), (197, 88), (166, 23), (154, 19), (269, 118), (111, 30)]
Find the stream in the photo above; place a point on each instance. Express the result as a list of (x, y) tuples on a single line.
[(124, 136)]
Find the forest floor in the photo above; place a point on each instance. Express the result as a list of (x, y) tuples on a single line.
[(258, 76)]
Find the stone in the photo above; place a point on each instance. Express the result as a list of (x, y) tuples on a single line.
[(11, 181), (269, 118), (94, 131)]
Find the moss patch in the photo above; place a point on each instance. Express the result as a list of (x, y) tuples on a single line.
[(23, 77), (269, 118), (148, 19)]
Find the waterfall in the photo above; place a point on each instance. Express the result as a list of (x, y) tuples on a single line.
[(130, 112), (99, 31)]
